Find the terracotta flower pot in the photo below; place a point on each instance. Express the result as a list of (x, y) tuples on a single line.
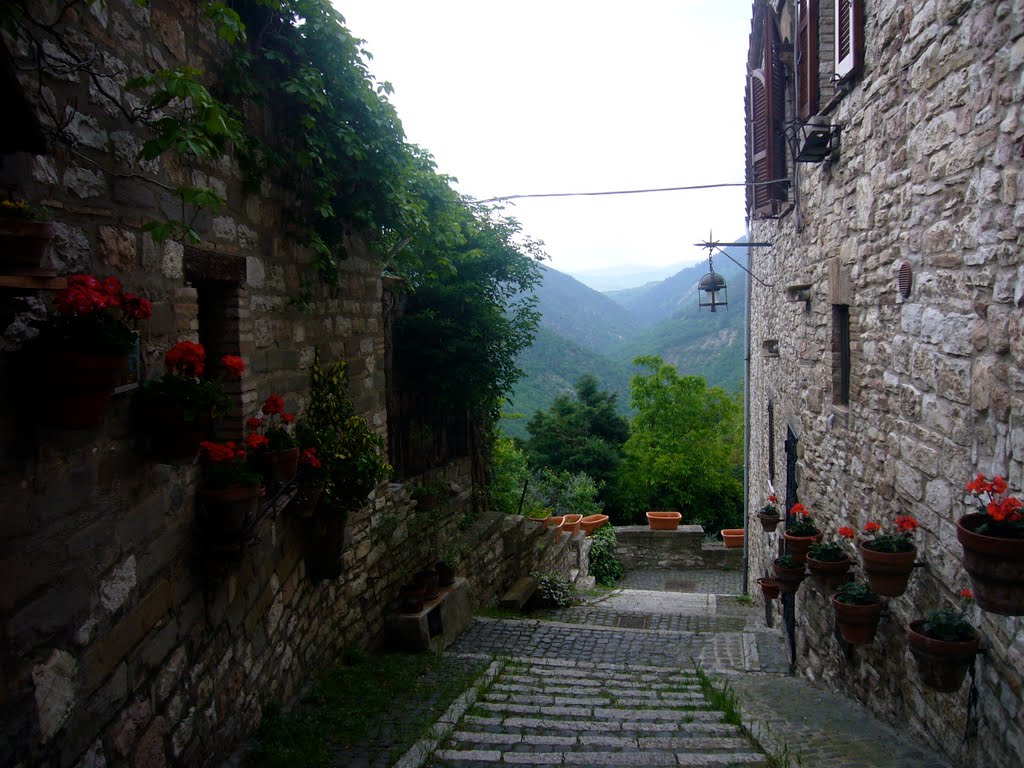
[(789, 578), (941, 664), (768, 522), (887, 572), (279, 466), (769, 588), (74, 388), (733, 538), (663, 521), (798, 545), (23, 244), (828, 575), (445, 574), (857, 623), (995, 565), (429, 581), (571, 523), (224, 513), (541, 521), (173, 438), (591, 523)]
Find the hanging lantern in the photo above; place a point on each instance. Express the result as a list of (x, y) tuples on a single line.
[(711, 290)]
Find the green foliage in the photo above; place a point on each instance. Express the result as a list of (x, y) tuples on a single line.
[(565, 493), (351, 452), (948, 624), (828, 551), (856, 593), (344, 707), (509, 472), (684, 451), (467, 319), (554, 591), (581, 434), (787, 561), (604, 566), (721, 696)]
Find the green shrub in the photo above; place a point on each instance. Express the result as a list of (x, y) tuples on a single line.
[(603, 564), (554, 591)]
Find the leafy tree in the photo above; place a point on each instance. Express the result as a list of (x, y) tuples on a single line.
[(509, 472), (580, 434), (685, 449)]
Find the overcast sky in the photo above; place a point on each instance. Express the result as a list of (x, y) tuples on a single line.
[(564, 96)]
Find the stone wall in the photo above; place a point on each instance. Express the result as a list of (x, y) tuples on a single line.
[(928, 175), (123, 642), (637, 546)]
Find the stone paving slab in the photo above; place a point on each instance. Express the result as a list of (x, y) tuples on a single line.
[(688, 581)]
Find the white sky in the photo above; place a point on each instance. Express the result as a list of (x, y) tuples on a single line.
[(566, 95)]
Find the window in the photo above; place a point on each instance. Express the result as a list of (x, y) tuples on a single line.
[(841, 354), (849, 44), (807, 70), (766, 113)]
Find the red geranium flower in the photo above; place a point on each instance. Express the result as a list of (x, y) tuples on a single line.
[(906, 523), (288, 418), (274, 404), (872, 527), (799, 509), (254, 422), (966, 594), (773, 498), (255, 441), (309, 458), (847, 532), (220, 452), (234, 365), (186, 358)]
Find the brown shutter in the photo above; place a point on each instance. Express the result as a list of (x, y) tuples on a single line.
[(766, 112), (849, 37), (807, 59), (760, 129)]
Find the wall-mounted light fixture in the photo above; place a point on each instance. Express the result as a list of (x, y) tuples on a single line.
[(713, 284)]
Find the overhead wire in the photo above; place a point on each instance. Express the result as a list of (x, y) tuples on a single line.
[(505, 198)]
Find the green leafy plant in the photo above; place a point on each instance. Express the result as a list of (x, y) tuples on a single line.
[(350, 453), (94, 315), (828, 552), (184, 386), (554, 591), (567, 493), (1003, 516), (604, 566), (769, 509), (226, 465), (897, 540), (273, 430), (950, 624), (803, 524), (787, 561), (429, 489), (856, 593), (23, 210)]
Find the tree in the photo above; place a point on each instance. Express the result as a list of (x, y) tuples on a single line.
[(580, 434), (685, 448)]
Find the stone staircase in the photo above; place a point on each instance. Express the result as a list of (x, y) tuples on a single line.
[(543, 712)]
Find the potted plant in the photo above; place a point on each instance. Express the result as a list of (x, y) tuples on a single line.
[(351, 458), (663, 521), (789, 573), (229, 492), (857, 611), (770, 587), (310, 483), (769, 514), (889, 557), (178, 408), (428, 494), (801, 533), (451, 557), (828, 562), (81, 352), (25, 234), (733, 537), (270, 437), (993, 542), (540, 515), (944, 644)]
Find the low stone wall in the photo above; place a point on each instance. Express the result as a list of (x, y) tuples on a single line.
[(682, 549), (504, 548)]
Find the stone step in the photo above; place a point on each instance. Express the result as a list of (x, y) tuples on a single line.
[(451, 757), (519, 593), (568, 700), (635, 728), (589, 741), (546, 680), (602, 712)]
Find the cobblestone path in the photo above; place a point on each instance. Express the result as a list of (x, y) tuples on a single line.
[(611, 683)]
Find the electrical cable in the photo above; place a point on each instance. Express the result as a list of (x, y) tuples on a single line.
[(505, 198)]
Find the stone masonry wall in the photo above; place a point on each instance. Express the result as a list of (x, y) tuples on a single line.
[(122, 643), (928, 175), (637, 546)]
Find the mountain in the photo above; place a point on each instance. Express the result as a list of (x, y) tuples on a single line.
[(589, 318), (584, 331)]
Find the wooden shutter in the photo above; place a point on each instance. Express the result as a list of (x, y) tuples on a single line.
[(849, 37), (759, 141), (807, 58), (767, 111)]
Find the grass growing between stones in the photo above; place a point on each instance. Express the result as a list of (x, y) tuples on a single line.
[(720, 697), (379, 704)]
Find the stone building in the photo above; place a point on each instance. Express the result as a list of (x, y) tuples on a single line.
[(123, 641), (887, 365)]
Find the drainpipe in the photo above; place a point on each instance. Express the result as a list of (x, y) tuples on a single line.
[(746, 422)]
